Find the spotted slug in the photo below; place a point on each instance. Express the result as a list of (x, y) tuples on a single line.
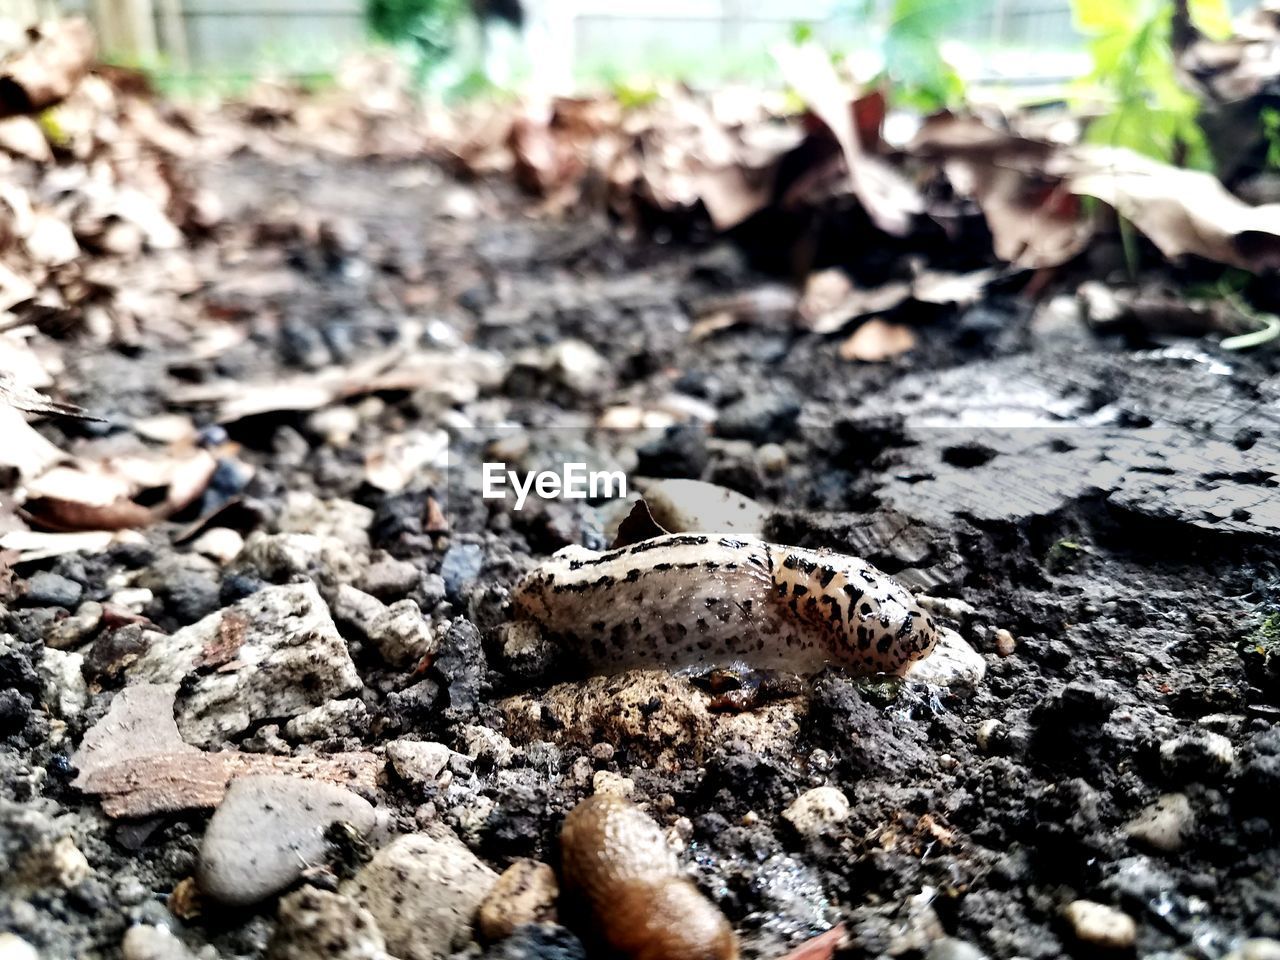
[(616, 864), (699, 601)]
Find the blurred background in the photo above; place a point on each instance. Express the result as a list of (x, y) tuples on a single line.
[(565, 46)]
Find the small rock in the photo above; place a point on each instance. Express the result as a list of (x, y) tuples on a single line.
[(760, 418), (335, 719), (389, 579), (461, 564), (314, 924), (681, 451), (334, 425), (281, 557), (692, 506), (57, 863), (525, 893), (816, 811), (423, 892), (949, 948), (65, 689), (51, 590), (219, 543), (145, 942), (133, 599), (487, 745), (268, 830), (1164, 825), (187, 585), (539, 942), (75, 629), (952, 608), (606, 781), (15, 948), (401, 634), (987, 733), (526, 650), (1198, 755), (1100, 925), (1257, 948), (418, 761), (1005, 643), (772, 458), (341, 519), (274, 654)]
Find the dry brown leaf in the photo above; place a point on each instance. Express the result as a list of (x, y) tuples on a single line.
[(831, 301), (1180, 211), (117, 493), (134, 758), (890, 200), (1034, 221), (877, 341)]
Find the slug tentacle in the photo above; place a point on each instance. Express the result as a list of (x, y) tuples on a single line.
[(698, 601)]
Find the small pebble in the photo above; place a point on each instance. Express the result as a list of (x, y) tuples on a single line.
[(816, 811), (15, 948), (145, 942), (987, 733), (268, 830), (314, 924), (541, 942), (1165, 825), (75, 629), (1005, 643), (46, 589), (389, 579), (1257, 948), (1100, 925), (423, 891), (337, 718), (418, 761), (525, 893), (1198, 755), (606, 781), (219, 543), (772, 458), (461, 564)]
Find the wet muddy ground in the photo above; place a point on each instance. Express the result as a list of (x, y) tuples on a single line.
[(1095, 512)]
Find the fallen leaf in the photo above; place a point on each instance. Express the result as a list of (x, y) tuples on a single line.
[(890, 200), (33, 545), (118, 492), (1034, 220), (821, 947), (878, 340), (1180, 211)]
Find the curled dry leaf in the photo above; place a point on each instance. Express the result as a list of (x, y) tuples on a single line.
[(890, 200), (1180, 211), (1034, 220), (117, 493), (878, 340)]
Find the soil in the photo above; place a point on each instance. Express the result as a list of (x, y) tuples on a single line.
[(1107, 499)]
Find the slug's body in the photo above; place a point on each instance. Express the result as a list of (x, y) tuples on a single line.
[(699, 601), (617, 865)]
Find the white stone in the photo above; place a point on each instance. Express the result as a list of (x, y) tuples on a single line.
[(1164, 825), (219, 543), (816, 811), (274, 654), (1100, 925), (952, 663), (423, 891), (420, 761)]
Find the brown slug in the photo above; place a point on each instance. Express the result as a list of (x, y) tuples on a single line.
[(616, 862)]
